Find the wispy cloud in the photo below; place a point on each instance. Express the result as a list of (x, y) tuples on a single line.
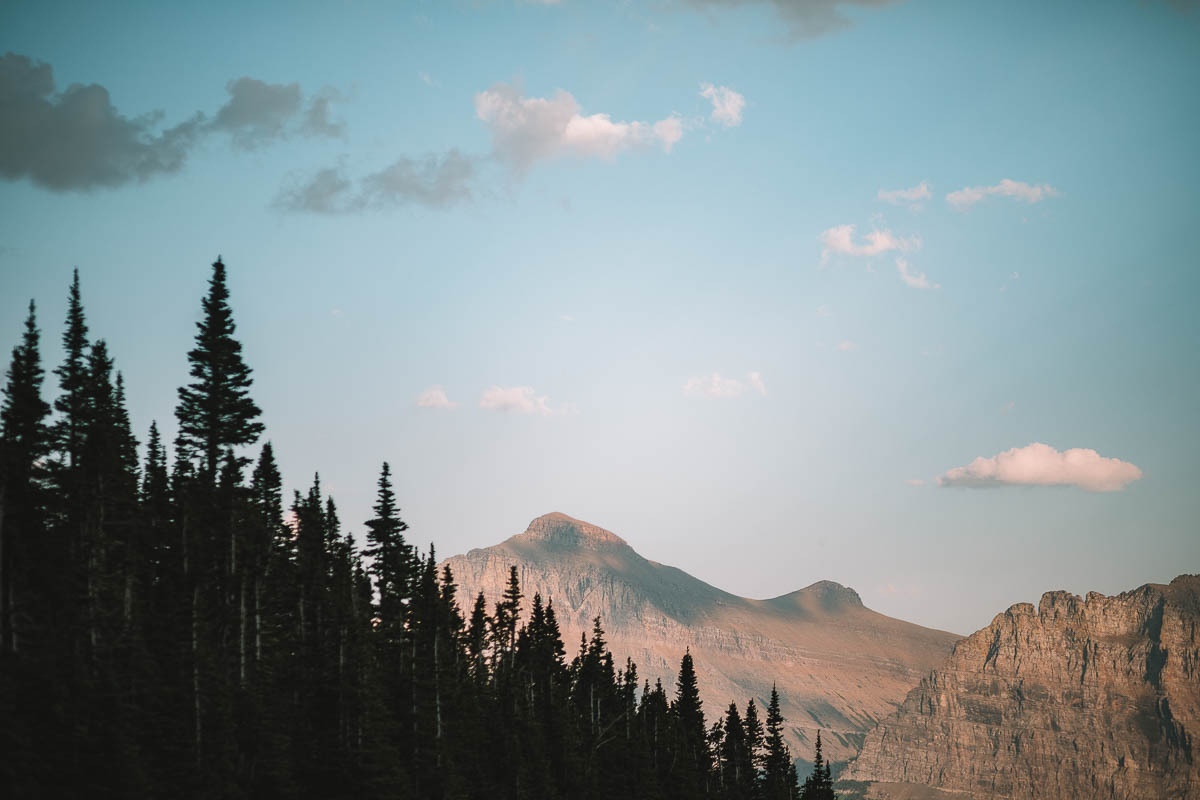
[(910, 197), (840, 240), (526, 130), (727, 105), (1041, 465), (916, 280), (802, 19), (435, 397), (519, 400), (845, 346), (717, 386), (713, 386), (823, 311), (968, 196), (434, 181)]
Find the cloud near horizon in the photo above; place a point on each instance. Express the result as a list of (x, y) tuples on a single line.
[(526, 130), (77, 140), (968, 196), (519, 400), (1040, 464), (435, 397), (716, 386)]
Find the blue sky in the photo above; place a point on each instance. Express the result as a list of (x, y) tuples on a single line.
[(574, 282)]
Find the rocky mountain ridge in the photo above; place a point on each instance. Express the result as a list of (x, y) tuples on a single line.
[(839, 666), (1081, 697)]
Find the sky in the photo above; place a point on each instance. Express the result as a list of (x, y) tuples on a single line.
[(896, 294)]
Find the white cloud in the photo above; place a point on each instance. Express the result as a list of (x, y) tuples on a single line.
[(716, 386), (529, 129), (519, 400), (713, 386), (823, 311), (756, 382), (916, 280), (435, 397), (1041, 465), (727, 104), (840, 240), (845, 346), (968, 196), (915, 482), (910, 197)]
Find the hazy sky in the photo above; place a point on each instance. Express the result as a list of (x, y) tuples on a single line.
[(751, 284)]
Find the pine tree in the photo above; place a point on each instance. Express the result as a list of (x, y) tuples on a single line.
[(391, 556), (23, 442), (72, 376), (694, 764), (216, 411), (778, 782), (755, 753), (819, 784)]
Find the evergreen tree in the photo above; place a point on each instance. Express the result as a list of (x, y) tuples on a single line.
[(216, 411), (778, 781), (693, 761), (819, 784), (23, 443)]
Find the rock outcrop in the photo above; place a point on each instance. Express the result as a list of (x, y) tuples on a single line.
[(839, 666), (1095, 697)]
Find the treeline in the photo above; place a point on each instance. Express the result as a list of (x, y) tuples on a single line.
[(166, 631)]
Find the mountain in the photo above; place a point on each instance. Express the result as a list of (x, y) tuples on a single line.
[(839, 666), (1095, 697)]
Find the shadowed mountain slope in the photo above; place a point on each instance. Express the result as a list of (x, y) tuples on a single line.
[(839, 666)]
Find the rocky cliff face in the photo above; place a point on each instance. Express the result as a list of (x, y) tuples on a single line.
[(839, 666), (1095, 697)]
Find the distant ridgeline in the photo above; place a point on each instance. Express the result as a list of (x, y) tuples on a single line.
[(165, 633)]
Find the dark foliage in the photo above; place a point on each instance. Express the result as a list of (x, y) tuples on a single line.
[(168, 633)]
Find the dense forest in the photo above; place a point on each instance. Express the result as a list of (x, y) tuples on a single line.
[(169, 629)]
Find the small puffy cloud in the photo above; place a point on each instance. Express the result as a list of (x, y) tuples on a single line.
[(435, 397), (823, 311), (727, 105), (716, 386), (434, 181), (910, 197), (803, 19), (76, 140), (713, 386), (839, 240), (915, 482), (968, 196), (845, 346), (317, 121), (526, 130), (518, 400), (916, 280), (1041, 465), (257, 112)]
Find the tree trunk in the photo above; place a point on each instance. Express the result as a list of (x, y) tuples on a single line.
[(196, 673)]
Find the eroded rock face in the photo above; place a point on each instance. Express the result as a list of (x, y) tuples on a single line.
[(839, 666), (1095, 697)]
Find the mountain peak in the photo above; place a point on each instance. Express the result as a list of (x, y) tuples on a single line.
[(560, 532), (828, 596)]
